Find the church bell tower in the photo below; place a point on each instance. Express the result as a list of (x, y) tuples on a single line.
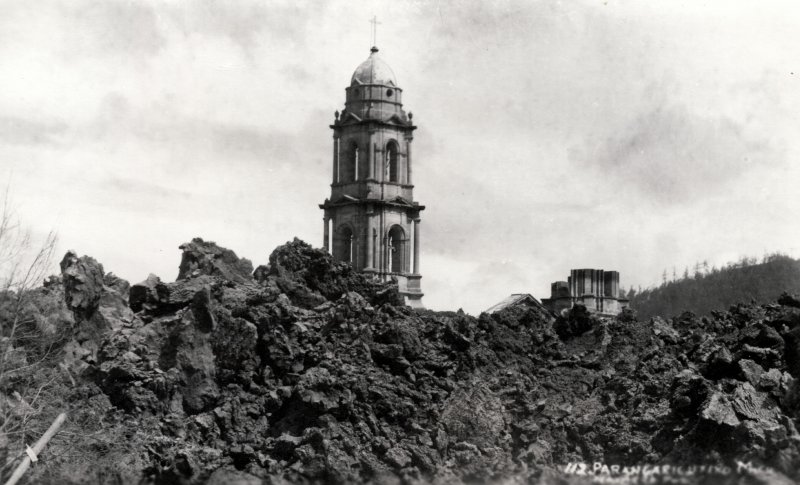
[(371, 218)]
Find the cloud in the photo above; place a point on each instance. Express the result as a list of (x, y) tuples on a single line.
[(672, 156), (119, 185), (113, 27), (245, 22), (219, 139), (21, 131), (118, 120)]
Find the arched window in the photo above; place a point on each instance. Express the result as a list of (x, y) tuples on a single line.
[(349, 163), (343, 249), (397, 250), (392, 170)]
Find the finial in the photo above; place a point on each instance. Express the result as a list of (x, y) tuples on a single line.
[(410, 115), (336, 114), (373, 49)]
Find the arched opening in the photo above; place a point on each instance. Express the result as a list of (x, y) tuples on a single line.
[(392, 170), (343, 247), (349, 163), (397, 250)]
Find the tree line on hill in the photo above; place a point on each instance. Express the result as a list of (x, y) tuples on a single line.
[(709, 289)]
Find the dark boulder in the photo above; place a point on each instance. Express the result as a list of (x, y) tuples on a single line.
[(792, 351), (688, 392), (83, 284), (206, 258), (315, 270), (720, 364), (476, 415), (789, 300), (146, 293), (577, 322), (98, 302)]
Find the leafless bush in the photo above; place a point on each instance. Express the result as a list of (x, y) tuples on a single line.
[(28, 333)]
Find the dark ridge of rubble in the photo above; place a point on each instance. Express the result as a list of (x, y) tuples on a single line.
[(309, 372)]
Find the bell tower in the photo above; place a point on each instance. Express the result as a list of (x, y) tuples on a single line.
[(371, 219)]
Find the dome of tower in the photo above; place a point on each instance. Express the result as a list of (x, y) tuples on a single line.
[(374, 71)]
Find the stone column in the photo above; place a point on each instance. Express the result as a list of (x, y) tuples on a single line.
[(335, 158), (371, 155), (379, 253), (406, 255), (416, 246), (374, 250), (408, 161), (370, 247), (326, 233), (573, 285)]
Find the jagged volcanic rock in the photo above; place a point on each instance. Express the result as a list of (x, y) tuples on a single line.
[(200, 257), (309, 372), (83, 283)]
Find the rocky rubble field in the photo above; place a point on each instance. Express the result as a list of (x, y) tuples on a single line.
[(303, 371)]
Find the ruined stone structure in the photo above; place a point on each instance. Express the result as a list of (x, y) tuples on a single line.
[(595, 288), (371, 219)]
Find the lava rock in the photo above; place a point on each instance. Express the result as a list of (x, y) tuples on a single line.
[(719, 411), (398, 457), (83, 284), (792, 351), (206, 258), (475, 415), (721, 364), (789, 300), (577, 321), (311, 372)]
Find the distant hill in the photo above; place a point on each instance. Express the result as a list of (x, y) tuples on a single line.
[(718, 289)]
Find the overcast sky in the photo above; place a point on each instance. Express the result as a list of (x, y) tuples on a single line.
[(625, 135)]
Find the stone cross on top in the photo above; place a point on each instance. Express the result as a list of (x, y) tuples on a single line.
[(375, 24)]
